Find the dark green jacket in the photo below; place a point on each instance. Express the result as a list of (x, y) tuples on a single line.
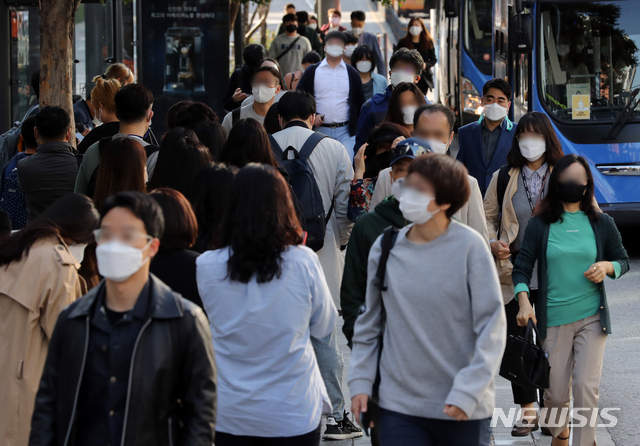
[(534, 247), (354, 280)]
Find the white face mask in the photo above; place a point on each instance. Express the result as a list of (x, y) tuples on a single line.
[(313, 25), (357, 31), (262, 93), (415, 30), (532, 148), (78, 251), (408, 112), (495, 112), (398, 77), (364, 66), (335, 21), (118, 261), (413, 206), (349, 49), (437, 146), (334, 50)]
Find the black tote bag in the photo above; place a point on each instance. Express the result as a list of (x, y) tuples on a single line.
[(526, 363)]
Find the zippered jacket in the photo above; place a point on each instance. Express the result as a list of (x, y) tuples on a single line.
[(171, 398)]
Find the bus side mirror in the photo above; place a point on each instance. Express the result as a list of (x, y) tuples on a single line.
[(451, 8), (521, 33)]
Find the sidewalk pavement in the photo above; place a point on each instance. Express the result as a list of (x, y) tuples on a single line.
[(504, 400)]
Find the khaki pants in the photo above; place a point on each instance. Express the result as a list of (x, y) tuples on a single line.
[(575, 356)]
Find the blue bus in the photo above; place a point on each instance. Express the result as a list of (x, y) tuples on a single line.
[(575, 61)]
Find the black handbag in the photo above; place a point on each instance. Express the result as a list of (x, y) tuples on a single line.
[(526, 363)]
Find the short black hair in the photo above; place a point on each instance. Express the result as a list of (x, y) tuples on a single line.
[(132, 103), (435, 108), (363, 52), (409, 56), (27, 133), (253, 54), (335, 35), (191, 114), (358, 15), (296, 104), (35, 83), (52, 122), (303, 16), (271, 70), (142, 206), (500, 84), (289, 18), (290, 6), (311, 57), (351, 37)]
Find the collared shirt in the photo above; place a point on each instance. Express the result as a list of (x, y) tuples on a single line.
[(490, 139), (103, 393), (535, 179), (332, 92)]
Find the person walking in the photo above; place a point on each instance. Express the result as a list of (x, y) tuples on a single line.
[(38, 279), (358, 19), (338, 92), (523, 183), (447, 396), (49, 173), (576, 248), (289, 48), (363, 59), (405, 100), (110, 375), (239, 86), (175, 263), (332, 171), (266, 295), (418, 38), (483, 145), (266, 85), (333, 23), (310, 33), (103, 101)]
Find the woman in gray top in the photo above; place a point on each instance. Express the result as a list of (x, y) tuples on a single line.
[(445, 328), (513, 193)]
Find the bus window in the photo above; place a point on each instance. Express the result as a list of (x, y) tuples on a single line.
[(478, 34), (521, 87), (589, 51)]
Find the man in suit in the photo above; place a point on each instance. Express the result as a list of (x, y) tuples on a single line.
[(364, 38), (483, 145)]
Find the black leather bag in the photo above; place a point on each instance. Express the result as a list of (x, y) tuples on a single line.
[(526, 363)]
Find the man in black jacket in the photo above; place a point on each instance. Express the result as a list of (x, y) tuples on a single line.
[(239, 86), (130, 363), (51, 172)]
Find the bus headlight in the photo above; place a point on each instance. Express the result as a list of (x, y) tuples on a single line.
[(471, 97)]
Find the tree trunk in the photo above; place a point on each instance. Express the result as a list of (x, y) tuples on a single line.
[(57, 27), (234, 8)]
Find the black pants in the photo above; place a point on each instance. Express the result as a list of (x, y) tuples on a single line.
[(520, 394), (310, 439)]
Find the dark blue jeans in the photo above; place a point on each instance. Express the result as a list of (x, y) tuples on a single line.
[(397, 429)]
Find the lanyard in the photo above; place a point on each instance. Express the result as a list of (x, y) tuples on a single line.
[(526, 189)]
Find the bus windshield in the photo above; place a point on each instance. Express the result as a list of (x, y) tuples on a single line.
[(589, 55), (478, 34)]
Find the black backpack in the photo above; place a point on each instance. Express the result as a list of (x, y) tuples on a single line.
[(305, 187)]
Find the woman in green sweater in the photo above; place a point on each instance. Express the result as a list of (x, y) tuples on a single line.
[(576, 248)]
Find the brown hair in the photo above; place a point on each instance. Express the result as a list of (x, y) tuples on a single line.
[(120, 72), (535, 122), (121, 169), (104, 93), (394, 112), (180, 224), (448, 177), (426, 41), (332, 11)]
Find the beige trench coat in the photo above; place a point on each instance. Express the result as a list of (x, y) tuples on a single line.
[(33, 292)]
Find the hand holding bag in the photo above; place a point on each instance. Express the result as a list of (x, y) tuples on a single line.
[(526, 363)]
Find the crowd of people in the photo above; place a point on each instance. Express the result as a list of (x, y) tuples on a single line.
[(129, 263)]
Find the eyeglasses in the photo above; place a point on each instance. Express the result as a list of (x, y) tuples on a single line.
[(413, 149), (127, 237)]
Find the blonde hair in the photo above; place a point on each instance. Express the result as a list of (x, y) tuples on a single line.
[(104, 93), (120, 72)]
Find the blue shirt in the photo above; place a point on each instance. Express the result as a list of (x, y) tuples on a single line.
[(261, 335)]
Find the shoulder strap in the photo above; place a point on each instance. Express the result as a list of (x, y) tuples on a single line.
[(503, 181), (276, 149), (310, 144), (389, 237), (288, 48), (235, 115)]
